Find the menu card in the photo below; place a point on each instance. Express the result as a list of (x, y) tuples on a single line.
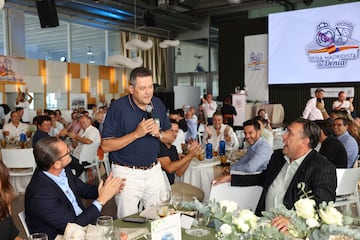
[(168, 228)]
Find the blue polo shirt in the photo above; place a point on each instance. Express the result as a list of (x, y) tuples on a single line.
[(122, 118)]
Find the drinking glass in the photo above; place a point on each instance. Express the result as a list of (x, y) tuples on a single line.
[(177, 201), (38, 236), (105, 226), (3, 143), (165, 196), (162, 209)]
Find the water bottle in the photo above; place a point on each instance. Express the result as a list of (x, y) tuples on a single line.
[(22, 140), (208, 151), (222, 148)]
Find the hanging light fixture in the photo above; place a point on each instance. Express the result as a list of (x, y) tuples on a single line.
[(135, 43), (89, 51)]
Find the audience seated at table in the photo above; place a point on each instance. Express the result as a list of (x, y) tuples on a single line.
[(296, 163), (331, 147), (43, 124), (219, 131), (52, 198), (74, 125), (57, 128), (14, 128), (178, 115), (172, 164), (191, 134), (265, 132), (228, 111), (257, 155), (341, 126), (87, 135), (8, 229), (262, 113)]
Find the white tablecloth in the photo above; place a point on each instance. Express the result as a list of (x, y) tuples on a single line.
[(200, 174)]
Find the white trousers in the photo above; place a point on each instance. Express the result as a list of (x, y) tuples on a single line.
[(140, 185)]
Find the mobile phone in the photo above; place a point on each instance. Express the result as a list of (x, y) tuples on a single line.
[(134, 219), (318, 100)]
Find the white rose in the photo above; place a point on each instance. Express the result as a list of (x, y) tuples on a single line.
[(225, 229), (231, 206), (241, 224), (312, 223), (305, 208), (331, 216), (248, 216)]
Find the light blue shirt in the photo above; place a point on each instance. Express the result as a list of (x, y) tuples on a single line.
[(256, 158), (351, 147), (62, 182)]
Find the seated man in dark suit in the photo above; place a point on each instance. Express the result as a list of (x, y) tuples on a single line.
[(297, 162), (52, 198), (331, 147)]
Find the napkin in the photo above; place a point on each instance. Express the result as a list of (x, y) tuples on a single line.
[(74, 231), (149, 213)]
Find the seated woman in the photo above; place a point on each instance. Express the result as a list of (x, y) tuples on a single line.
[(8, 229)]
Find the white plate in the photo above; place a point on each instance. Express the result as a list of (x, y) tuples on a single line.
[(197, 232)]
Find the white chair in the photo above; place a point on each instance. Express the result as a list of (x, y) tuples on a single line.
[(246, 197), (106, 163), (200, 132), (347, 187), (89, 154), (23, 222), (20, 162)]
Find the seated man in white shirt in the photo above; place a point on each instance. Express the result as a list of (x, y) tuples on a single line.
[(87, 135), (219, 131), (14, 128)]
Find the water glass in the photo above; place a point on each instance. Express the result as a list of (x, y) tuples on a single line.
[(162, 209), (105, 226), (38, 236), (165, 196), (177, 201)]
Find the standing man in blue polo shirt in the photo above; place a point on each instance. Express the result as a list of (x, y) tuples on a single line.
[(132, 135)]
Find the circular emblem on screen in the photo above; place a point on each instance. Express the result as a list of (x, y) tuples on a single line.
[(325, 37)]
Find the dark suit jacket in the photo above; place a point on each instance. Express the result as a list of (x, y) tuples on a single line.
[(334, 151), (48, 210), (318, 174)]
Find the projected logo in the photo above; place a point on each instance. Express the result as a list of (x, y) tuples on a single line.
[(256, 62), (333, 47)]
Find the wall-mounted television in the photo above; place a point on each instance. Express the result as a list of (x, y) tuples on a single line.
[(317, 45)]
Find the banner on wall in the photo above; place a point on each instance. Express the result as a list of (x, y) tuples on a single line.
[(78, 100), (256, 67), (12, 69)]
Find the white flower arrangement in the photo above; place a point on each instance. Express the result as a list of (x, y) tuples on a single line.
[(307, 221)]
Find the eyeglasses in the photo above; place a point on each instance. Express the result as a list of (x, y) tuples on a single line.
[(69, 152), (338, 125)]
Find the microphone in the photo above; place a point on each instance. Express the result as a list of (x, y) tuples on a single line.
[(148, 110)]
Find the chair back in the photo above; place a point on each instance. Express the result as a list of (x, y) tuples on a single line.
[(23, 222), (246, 197), (89, 152), (347, 180), (19, 158)]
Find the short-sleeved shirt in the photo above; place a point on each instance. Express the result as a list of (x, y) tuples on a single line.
[(122, 118), (16, 131), (91, 133), (173, 155)]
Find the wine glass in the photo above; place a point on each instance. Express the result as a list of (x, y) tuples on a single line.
[(165, 196), (105, 226), (177, 201), (38, 236)]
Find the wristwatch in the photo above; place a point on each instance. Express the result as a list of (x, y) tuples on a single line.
[(160, 135)]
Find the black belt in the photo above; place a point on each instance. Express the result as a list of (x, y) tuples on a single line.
[(137, 167)]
